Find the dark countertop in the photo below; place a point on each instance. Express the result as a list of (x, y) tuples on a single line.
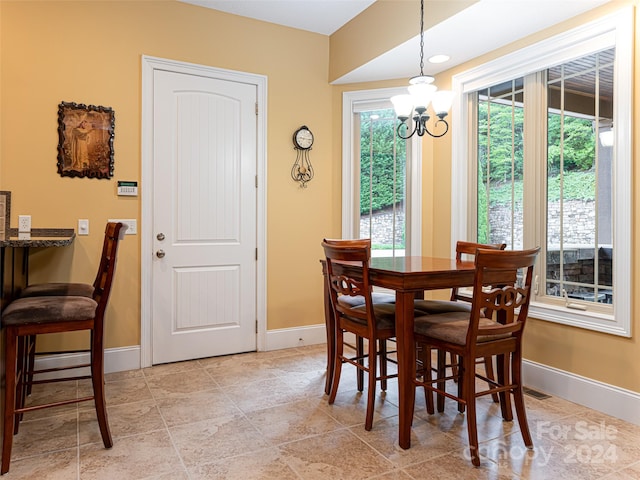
[(40, 237)]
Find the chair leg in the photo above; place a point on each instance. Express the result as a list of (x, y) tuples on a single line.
[(425, 354), (31, 343), (383, 364), (97, 378), (504, 378), (488, 369), (461, 385), (469, 392), (518, 398), (337, 365), (21, 386), (360, 355), (371, 394), (11, 365), (441, 372)]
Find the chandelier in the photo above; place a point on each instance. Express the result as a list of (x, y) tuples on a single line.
[(422, 92)]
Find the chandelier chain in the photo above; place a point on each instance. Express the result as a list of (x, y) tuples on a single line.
[(422, 38)]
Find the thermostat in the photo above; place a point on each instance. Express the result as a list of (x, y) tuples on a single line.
[(127, 188)]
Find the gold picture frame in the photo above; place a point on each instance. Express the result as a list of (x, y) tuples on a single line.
[(85, 140), (5, 213)]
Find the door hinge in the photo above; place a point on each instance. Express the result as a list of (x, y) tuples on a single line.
[(256, 181), (256, 325), (256, 254), (256, 109)]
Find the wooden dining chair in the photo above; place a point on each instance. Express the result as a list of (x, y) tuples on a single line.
[(470, 335), (374, 322), (63, 289), (460, 301), (31, 316), (347, 301)]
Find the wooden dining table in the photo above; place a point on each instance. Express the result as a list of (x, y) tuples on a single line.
[(409, 277)]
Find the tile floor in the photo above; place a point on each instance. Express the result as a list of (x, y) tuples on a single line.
[(265, 416)]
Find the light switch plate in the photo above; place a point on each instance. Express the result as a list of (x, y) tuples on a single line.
[(131, 223), (83, 226)]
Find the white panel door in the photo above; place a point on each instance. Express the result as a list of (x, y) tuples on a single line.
[(204, 217)]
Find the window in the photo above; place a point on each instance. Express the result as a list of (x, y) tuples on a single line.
[(380, 184), (546, 157)]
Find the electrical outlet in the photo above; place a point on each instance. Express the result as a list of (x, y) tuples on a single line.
[(24, 223), (131, 223), (83, 226)]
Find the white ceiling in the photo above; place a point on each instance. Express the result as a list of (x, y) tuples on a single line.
[(319, 16), (481, 28)]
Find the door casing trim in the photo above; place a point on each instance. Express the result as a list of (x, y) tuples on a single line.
[(149, 65)]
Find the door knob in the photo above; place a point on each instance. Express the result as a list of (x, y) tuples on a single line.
[(160, 236), (160, 253)]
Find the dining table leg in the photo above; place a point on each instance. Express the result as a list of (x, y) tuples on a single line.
[(406, 365), (330, 324)]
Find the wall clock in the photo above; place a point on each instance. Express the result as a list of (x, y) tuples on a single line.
[(302, 170)]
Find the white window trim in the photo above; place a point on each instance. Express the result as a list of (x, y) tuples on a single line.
[(615, 29), (414, 168)]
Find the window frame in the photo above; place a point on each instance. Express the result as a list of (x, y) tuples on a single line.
[(350, 190), (614, 30)]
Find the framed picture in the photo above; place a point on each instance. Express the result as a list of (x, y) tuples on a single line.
[(5, 213), (85, 140)]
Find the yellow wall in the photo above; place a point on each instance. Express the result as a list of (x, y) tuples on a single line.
[(90, 52)]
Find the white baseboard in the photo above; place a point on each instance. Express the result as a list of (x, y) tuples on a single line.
[(295, 337), (115, 360), (615, 401)]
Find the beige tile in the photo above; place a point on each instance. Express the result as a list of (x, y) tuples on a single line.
[(551, 457), (265, 415), (140, 456), (45, 435), (117, 393), (168, 368), (426, 441), (119, 376), (61, 465), (262, 394), (350, 408), (187, 381), (393, 475), (337, 454), (124, 420), (454, 465), (301, 364), (175, 475), (230, 371), (631, 472), (293, 421), (218, 438), (52, 392), (181, 408), (266, 464)]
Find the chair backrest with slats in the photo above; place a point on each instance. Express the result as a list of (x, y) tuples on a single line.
[(114, 232), (358, 252), (466, 250), (509, 301)]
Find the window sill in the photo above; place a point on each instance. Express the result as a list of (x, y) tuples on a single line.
[(597, 321)]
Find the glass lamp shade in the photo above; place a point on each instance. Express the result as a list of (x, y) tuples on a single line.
[(422, 94), (403, 105), (441, 101)]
